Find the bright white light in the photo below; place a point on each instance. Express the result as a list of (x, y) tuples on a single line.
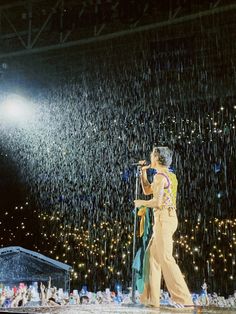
[(16, 108)]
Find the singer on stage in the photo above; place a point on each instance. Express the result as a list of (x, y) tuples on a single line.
[(158, 255)]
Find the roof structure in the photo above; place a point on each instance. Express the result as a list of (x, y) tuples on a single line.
[(39, 26), (35, 255), (22, 265)]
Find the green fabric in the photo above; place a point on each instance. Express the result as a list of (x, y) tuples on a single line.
[(141, 261)]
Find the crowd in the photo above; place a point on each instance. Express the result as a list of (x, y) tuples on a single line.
[(49, 296)]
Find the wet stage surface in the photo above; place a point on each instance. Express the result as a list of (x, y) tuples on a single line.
[(119, 309)]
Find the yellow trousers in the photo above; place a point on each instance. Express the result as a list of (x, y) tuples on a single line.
[(161, 261)]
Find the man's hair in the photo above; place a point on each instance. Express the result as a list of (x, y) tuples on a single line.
[(164, 155)]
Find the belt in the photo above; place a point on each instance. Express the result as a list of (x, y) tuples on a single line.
[(164, 207)]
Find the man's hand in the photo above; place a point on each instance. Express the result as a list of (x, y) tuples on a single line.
[(144, 165), (138, 203)]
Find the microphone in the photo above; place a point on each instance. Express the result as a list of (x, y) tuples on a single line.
[(139, 165)]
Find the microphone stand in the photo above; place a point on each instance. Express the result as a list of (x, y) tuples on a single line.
[(135, 231)]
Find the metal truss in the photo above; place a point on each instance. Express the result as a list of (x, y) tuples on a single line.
[(20, 35)]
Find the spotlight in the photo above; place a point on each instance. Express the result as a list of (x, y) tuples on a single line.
[(16, 108), (220, 194), (118, 287)]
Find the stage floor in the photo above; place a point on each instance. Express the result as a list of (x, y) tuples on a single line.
[(115, 309)]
